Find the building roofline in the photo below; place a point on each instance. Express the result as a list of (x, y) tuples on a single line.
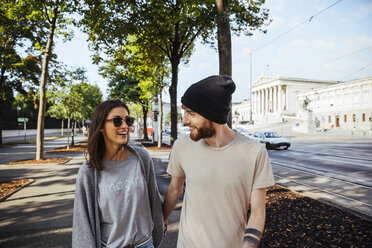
[(296, 79), (336, 85)]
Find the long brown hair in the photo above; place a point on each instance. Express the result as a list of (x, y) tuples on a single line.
[(96, 144)]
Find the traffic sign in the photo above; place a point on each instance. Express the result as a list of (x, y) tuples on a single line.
[(22, 119)]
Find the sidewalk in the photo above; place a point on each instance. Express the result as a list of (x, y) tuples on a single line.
[(40, 215), (11, 136), (286, 129)]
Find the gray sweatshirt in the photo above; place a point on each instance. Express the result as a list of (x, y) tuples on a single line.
[(86, 230)]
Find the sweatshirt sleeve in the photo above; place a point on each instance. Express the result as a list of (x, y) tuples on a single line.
[(156, 202), (83, 228)]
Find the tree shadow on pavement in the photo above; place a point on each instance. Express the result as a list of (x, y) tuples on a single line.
[(37, 224)]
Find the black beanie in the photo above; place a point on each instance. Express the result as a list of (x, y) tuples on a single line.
[(210, 97)]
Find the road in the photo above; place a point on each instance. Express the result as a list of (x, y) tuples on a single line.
[(335, 172), (9, 136), (28, 151)]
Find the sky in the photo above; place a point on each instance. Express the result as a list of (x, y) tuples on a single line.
[(335, 44)]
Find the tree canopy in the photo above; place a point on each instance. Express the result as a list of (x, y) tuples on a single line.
[(170, 26)]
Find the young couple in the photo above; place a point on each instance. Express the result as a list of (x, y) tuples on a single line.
[(117, 202)]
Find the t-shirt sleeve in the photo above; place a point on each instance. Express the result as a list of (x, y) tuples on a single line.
[(263, 176), (174, 167)]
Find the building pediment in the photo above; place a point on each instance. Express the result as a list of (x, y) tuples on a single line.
[(267, 81), (264, 80)]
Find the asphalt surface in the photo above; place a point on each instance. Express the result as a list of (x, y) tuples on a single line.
[(40, 215)]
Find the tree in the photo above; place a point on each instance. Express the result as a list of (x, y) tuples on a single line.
[(57, 109), (49, 16), (91, 97), (17, 36), (71, 96), (127, 88), (171, 26), (74, 101), (133, 64), (245, 18)]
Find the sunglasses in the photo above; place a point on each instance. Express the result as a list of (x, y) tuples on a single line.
[(118, 121)]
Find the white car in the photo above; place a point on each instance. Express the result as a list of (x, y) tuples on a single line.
[(244, 132), (271, 140)]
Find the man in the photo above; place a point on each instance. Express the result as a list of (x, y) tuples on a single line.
[(225, 173)]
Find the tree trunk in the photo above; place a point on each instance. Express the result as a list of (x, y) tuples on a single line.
[(224, 42), (62, 128), (144, 111), (2, 102), (1, 131), (43, 84), (160, 119), (173, 99), (68, 132), (1, 123)]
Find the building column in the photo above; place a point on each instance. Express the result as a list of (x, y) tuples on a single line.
[(266, 100), (280, 105), (275, 98), (260, 101), (251, 105), (253, 102), (271, 99)]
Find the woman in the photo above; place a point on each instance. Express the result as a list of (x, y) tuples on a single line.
[(117, 202)]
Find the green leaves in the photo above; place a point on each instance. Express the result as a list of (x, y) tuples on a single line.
[(74, 97)]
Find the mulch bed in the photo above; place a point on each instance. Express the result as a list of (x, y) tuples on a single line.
[(78, 147), (41, 161), (8, 187), (293, 220), (154, 146)]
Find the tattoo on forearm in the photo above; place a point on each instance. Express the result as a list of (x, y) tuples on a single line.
[(252, 237), (253, 231)]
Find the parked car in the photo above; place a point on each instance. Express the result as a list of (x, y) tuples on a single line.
[(271, 140), (244, 132), (321, 129), (185, 130)]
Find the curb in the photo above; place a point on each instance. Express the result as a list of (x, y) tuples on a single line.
[(67, 160), (15, 191), (329, 203), (39, 164)]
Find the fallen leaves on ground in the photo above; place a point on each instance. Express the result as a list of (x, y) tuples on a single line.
[(78, 147), (41, 161), (294, 220), (8, 187), (154, 146)]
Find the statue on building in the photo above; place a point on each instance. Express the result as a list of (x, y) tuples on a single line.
[(305, 103)]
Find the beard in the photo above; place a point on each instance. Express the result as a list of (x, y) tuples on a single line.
[(205, 131)]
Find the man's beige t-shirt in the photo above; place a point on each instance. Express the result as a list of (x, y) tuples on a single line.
[(219, 182)]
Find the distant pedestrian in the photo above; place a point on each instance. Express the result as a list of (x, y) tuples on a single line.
[(226, 173), (117, 202)]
